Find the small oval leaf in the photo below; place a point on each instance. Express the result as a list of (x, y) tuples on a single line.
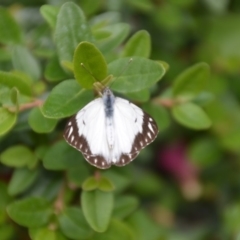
[(105, 184), (89, 65), (191, 115), (12, 33), (138, 45), (50, 13), (13, 80), (22, 179), (97, 208), (124, 206), (61, 156), (30, 212), (17, 156), (71, 29), (73, 224), (192, 81), (118, 231), (39, 123), (7, 120), (139, 74), (90, 184), (65, 100), (30, 65), (118, 33)]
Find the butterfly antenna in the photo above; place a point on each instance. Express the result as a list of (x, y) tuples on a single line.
[(122, 71)]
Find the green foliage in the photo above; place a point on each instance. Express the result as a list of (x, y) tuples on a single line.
[(139, 73), (17, 156), (97, 208), (60, 105), (138, 45), (191, 115), (30, 212), (182, 69), (71, 29), (73, 224), (89, 65), (12, 34)]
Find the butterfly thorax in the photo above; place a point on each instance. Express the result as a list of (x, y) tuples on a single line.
[(108, 101)]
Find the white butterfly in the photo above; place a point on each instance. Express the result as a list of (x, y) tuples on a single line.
[(110, 130)]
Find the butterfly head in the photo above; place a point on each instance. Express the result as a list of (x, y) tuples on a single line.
[(107, 92)]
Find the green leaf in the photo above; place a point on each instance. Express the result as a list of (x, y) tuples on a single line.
[(140, 96), (118, 33), (61, 156), (50, 13), (17, 156), (5, 55), (102, 183), (191, 115), (117, 230), (105, 185), (9, 30), (21, 180), (71, 29), (192, 81), (5, 198), (138, 45), (7, 231), (47, 185), (138, 74), (124, 206), (73, 224), (30, 65), (53, 71), (30, 212), (65, 100), (204, 152), (97, 208), (105, 19), (119, 180), (147, 184), (45, 234), (78, 174), (142, 5), (160, 115), (94, 65), (7, 120), (90, 184), (15, 97), (12, 80), (39, 123), (90, 7), (144, 227)]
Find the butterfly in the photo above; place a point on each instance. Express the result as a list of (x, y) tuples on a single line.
[(110, 131)]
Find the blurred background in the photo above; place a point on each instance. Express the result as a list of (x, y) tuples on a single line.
[(188, 181)]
